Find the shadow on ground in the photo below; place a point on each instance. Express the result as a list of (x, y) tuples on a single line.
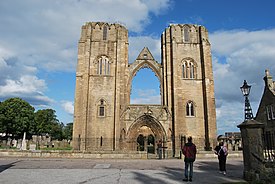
[(7, 166), (204, 172)]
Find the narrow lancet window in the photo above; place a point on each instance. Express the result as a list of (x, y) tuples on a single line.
[(101, 141), (184, 71), (99, 69), (191, 71), (104, 33), (103, 67), (186, 34), (101, 109), (190, 109)]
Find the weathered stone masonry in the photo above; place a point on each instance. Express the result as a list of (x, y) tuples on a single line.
[(104, 119)]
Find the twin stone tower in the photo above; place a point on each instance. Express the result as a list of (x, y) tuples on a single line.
[(104, 119)]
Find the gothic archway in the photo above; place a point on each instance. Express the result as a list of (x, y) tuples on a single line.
[(147, 127), (144, 60)]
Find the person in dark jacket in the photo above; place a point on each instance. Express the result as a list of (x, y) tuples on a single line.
[(159, 149), (189, 151), (222, 153)]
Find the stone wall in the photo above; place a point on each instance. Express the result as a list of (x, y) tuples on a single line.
[(36, 143), (256, 167), (104, 45), (100, 154)]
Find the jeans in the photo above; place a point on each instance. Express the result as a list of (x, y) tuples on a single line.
[(190, 166)]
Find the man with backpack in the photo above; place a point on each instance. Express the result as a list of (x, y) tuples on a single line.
[(189, 151)]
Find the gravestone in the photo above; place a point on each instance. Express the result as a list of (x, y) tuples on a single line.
[(9, 142), (32, 147), (14, 143), (19, 144)]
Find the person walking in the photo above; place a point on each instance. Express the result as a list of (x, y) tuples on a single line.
[(222, 152), (159, 149), (189, 151)]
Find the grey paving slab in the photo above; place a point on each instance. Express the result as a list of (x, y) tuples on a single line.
[(102, 166), (84, 171)]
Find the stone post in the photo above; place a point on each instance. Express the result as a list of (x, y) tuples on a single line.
[(145, 143), (251, 132)]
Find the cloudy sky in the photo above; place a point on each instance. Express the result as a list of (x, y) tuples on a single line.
[(38, 47)]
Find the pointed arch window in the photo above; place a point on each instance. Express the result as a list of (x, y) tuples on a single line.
[(192, 71), (189, 69), (184, 72), (101, 141), (103, 67), (186, 34), (102, 109), (122, 134), (190, 109)]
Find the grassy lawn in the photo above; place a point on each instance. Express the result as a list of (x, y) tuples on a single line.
[(48, 149)]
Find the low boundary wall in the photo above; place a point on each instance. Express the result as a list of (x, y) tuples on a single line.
[(98, 154)]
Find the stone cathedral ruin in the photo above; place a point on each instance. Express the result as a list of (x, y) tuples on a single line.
[(104, 119)]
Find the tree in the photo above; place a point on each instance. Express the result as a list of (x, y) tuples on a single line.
[(68, 131), (47, 123), (16, 117), (2, 127)]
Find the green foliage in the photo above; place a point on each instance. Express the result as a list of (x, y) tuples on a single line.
[(68, 131), (7, 147), (47, 123), (16, 117), (66, 148)]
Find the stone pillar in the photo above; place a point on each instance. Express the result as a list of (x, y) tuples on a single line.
[(145, 143), (252, 142)]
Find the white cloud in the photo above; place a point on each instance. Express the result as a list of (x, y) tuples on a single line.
[(27, 87), (240, 55), (146, 92), (45, 33), (40, 36), (145, 96), (19, 80), (146, 100), (68, 106), (26, 84), (136, 44), (243, 55), (157, 7)]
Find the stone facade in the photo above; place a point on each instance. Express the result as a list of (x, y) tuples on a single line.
[(266, 110), (105, 120)]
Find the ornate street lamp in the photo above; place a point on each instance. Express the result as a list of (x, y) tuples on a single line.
[(247, 108)]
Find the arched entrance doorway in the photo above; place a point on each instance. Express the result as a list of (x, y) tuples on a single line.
[(150, 143), (144, 132), (140, 142)]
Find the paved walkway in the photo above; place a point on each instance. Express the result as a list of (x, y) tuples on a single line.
[(114, 171)]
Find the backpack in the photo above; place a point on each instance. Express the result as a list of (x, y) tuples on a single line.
[(223, 151)]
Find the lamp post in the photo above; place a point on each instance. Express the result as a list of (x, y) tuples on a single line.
[(247, 108)]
